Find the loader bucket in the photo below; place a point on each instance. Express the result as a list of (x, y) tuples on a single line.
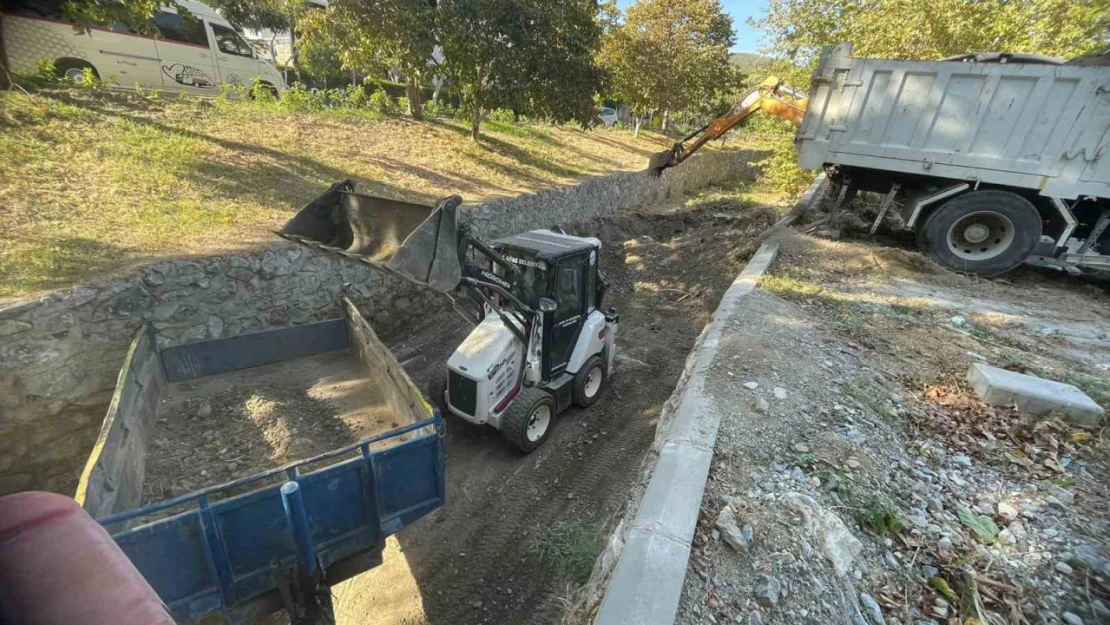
[(416, 242)]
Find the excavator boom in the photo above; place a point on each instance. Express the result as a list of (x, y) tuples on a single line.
[(771, 96)]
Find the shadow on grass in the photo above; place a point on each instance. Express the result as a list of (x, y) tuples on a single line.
[(272, 177), (33, 264), (525, 158)]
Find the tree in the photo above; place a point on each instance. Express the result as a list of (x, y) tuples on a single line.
[(933, 29), (670, 55), (534, 55), (378, 36)]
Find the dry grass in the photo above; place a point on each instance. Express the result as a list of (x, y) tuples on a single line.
[(92, 181)]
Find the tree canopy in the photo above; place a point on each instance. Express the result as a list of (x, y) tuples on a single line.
[(934, 29), (670, 55), (375, 37)]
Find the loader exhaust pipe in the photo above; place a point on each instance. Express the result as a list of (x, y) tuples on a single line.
[(415, 242)]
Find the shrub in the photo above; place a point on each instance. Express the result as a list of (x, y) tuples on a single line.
[(297, 98), (504, 116), (380, 102), (402, 105), (262, 93), (432, 109), (780, 169)]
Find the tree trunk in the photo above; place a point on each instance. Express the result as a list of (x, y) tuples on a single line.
[(5, 78), (475, 122), (666, 121), (414, 94), (639, 120), (294, 57)]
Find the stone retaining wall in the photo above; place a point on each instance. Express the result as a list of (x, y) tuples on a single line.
[(60, 354)]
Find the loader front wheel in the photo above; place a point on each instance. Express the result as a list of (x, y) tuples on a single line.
[(529, 420), (983, 232), (589, 382)]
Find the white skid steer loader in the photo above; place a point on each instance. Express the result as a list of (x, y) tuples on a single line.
[(540, 340)]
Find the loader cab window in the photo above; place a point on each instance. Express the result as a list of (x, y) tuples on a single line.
[(568, 287)]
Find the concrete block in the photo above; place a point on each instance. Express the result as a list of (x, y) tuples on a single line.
[(673, 498), (647, 583), (1033, 395)]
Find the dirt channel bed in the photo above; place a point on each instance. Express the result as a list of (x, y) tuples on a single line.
[(475, 560)]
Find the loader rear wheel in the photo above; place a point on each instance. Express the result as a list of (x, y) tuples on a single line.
[(982, 232), (529, 420), (589, 382)]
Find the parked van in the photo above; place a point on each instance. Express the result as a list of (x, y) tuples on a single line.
[(195, 54)]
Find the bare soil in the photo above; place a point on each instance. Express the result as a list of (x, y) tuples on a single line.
[(219, 428)]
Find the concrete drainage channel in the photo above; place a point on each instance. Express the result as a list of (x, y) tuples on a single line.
[(641, 572)]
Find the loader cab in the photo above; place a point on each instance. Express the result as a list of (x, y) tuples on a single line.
[(561, 268)]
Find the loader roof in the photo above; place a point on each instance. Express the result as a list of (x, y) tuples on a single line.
[(546, 244)]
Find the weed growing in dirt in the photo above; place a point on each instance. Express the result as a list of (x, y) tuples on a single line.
[(880, 517), (570, 547), (863, 391)]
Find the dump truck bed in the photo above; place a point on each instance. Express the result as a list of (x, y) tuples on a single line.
[(201, 439), (1035, 126)]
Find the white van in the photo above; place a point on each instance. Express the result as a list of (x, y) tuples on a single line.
[(196, 55)]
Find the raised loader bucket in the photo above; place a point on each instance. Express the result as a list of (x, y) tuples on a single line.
[(416, 242)]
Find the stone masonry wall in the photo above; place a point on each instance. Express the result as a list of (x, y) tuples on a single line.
[(60, 354)]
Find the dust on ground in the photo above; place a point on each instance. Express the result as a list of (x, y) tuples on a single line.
[(860, 481)]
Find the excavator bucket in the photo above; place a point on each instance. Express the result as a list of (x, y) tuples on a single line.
[(413, 241)]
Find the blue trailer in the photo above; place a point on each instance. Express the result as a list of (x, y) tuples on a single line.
[(277, 539)]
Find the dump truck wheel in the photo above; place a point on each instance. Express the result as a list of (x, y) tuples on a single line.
[(530, 418), (982, 232), (589, 382), (437, 392)]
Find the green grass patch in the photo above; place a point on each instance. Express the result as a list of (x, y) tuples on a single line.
[(570, 547)]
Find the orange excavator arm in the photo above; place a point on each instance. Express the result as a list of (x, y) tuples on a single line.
[(771, 96)]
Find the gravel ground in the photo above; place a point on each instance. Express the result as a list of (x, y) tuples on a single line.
[(848, 484)]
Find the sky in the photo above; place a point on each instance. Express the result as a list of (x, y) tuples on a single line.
[(747, 38)]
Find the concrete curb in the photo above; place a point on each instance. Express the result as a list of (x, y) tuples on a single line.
[(646, 584)]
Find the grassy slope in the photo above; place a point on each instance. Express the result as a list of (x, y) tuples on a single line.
[(91, 182)]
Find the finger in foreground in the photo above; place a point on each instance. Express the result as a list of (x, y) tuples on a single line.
[(58, 567)]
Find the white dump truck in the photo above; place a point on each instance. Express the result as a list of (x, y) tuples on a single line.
[(998, 159)]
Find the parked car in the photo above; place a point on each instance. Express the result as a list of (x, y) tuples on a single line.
[(608, 116), (196, 54)]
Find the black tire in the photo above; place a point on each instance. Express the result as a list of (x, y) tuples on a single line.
[(514, 424), (983, 232), (267, 87), (437, 391), (73, 69), (582, 378)]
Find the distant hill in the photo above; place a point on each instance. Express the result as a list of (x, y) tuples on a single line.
[(747, 61)]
